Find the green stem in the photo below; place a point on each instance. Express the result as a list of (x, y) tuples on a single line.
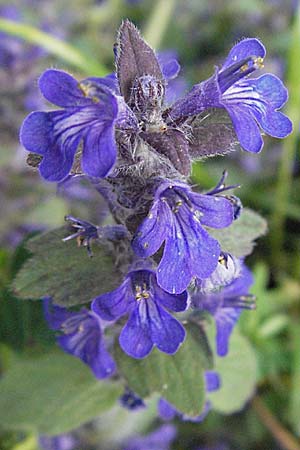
[(285, 439), (53, 45), (29, 443), (158, 22), (289, 146)]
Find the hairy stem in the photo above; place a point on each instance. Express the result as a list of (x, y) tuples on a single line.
[(284, 438)]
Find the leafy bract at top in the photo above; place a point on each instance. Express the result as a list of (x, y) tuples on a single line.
[(64, 271), (134, 59)]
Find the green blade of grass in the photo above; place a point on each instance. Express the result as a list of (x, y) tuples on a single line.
[(284, 182), (53, 45)]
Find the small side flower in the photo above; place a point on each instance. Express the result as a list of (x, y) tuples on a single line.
[(81, 337)]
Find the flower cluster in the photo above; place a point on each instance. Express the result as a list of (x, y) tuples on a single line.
[(122, 134)]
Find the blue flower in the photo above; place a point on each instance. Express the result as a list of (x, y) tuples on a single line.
[(226, 305), (61, 442), (149, 323), (249, 102), (178, 217), (82, 337), (87, 116), (169, 412), (159, 439)]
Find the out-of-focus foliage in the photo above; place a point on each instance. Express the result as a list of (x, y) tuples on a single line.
[(265, 360)]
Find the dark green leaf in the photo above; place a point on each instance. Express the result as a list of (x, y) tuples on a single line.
[(53, 395), (238, 239), (238, 374), (64, 271), (177, 378)]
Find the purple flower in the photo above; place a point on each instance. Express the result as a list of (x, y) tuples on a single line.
[(249, 102), (159, 439), (86, 116), (226, 305), (60, 442), (169, 412), (82, 337), (149, 323), (178, 217)]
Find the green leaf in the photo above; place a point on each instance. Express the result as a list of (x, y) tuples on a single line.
[(238, 373), (52, 395), (64, 271), (238, 239), (178, 378)]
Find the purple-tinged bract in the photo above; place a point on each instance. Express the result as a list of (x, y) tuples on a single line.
[(82, 337), (226, 306), (85, 117), (178, 217), (149, 323), (251, 103)]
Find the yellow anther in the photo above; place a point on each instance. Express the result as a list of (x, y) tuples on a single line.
[(80, 328), (86, 90), (146, 244), (259, 62), (222, 260)]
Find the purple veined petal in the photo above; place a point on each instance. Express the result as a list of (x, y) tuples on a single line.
[(215, 212), (271, 89), (173, 272), (274, 123), (246, 127), (175, 302), (36, 130), (54, 315), (41, 134), (99, 152), (61, 89), (244, 49), (114, 304), (135, 339), (189, 251), (166, 332), (152, 231), (226, 319), (83, 339)]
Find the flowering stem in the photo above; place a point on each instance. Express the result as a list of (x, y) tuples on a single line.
[(289, 147), (285, 439), (158, 22), (53, 45)]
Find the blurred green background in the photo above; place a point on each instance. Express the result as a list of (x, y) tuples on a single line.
[(78, 36)]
